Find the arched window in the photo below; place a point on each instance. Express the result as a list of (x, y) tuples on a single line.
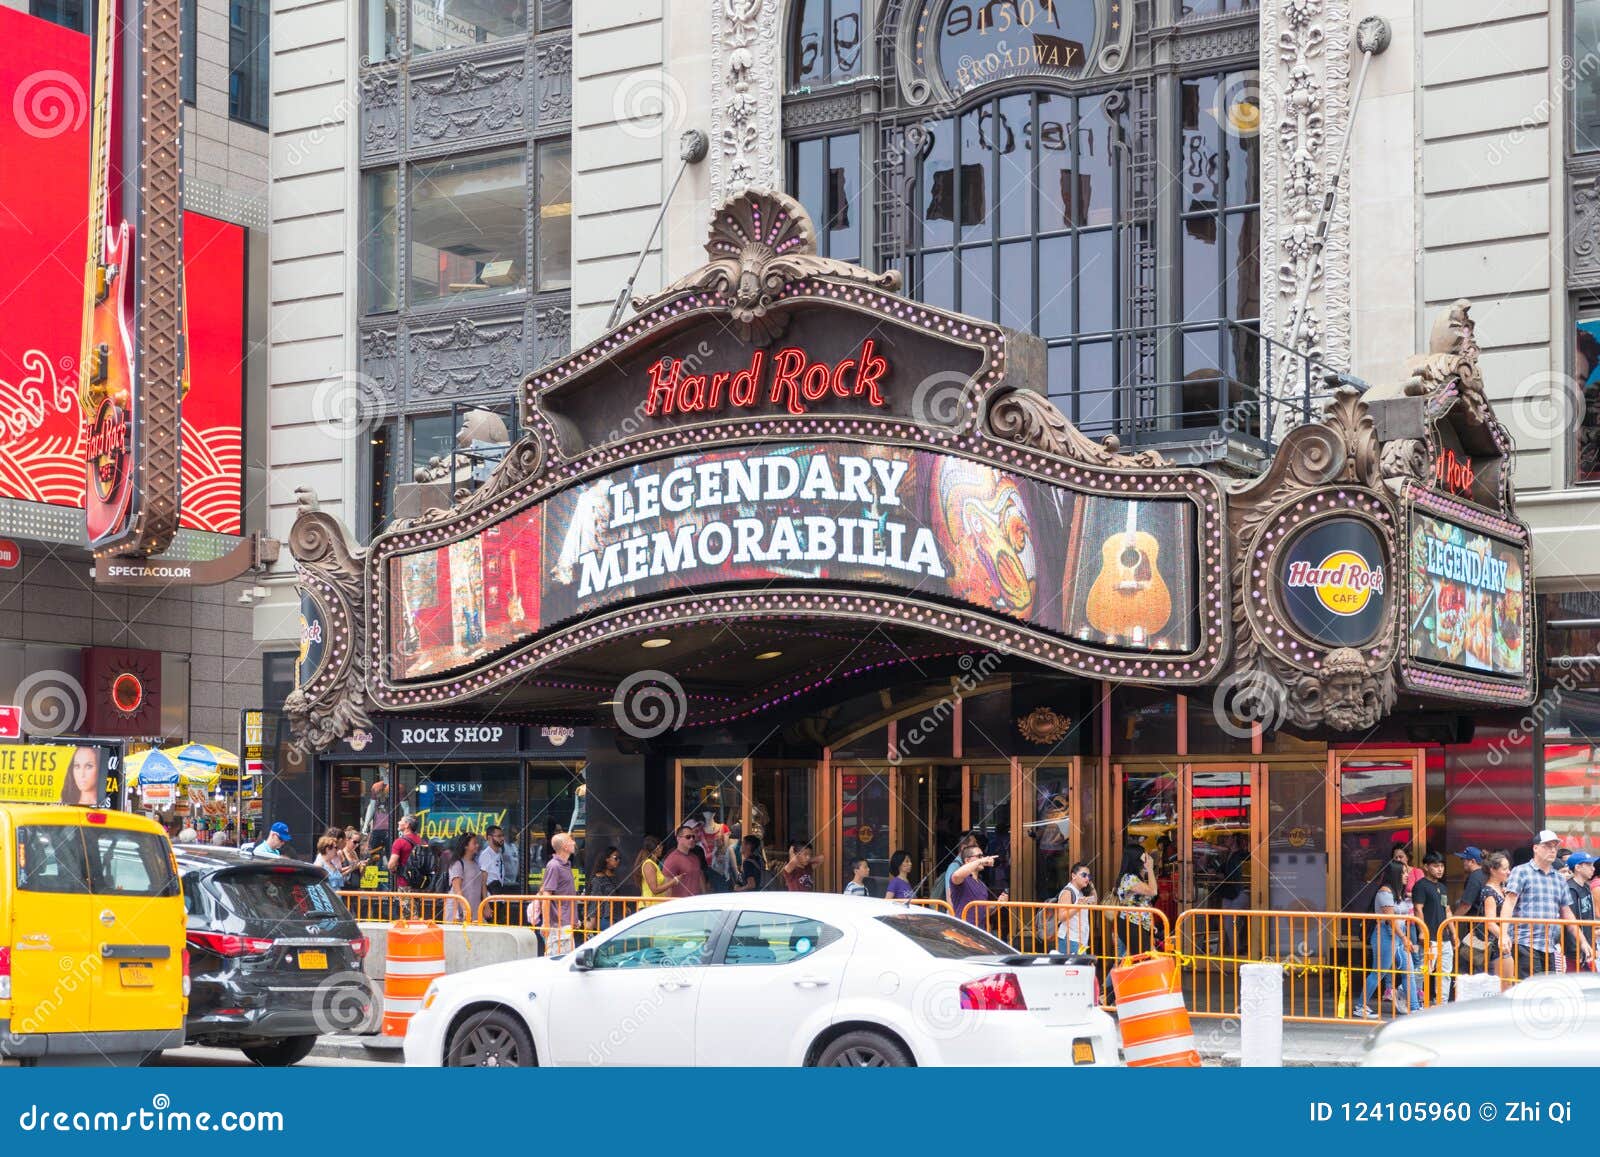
[(827, 42), (1074, 187)]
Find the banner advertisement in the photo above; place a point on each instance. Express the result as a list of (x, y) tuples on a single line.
[(1466, 598), (53, 774), (1111, 572)]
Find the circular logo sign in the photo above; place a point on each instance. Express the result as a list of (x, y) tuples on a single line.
[(127, 692), (1333, 582), (107, 449)]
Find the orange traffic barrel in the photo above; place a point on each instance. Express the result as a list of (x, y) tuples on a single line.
[(414, 957), (1151, 1015)]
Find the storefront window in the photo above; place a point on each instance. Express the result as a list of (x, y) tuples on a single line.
[(557, 802), (864, 823), (712, 795), (1052, 830), (780, 808), (1149, 818), (1377, 813), (378, 287), (468, 227), (458, 798), (1297, 839), (555, 217), (1220, 807), (441, 24)]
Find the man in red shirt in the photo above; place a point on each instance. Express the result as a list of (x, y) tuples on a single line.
[(401, 850), (682, 868)]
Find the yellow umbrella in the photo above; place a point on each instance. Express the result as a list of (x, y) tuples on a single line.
[(158, 767), (204, 755)]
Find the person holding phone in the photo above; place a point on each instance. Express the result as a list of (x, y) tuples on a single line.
[(967, 886), (1136, 889), (1072, 926)]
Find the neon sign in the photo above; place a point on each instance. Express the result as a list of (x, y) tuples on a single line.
[(791, 379), (1454, 473)]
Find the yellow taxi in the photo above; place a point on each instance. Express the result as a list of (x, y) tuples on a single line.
[(92, 961)]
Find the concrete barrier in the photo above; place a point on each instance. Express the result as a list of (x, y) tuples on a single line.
[(465, 946)]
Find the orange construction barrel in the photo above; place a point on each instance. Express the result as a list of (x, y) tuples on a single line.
[(414, 957), (1151, 1015)]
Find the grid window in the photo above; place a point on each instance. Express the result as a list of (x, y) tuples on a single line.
[(248, 59), (73, 14), (1019, 221), (828, 40), (825, 176), (1218, 171), (448, 24), (380, 30), (468, 228)]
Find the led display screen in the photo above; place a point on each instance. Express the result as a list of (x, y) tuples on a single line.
[(1466, 598)]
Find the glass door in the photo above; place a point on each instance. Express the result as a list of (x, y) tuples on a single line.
[(556, 803), (863, 827), (1146, 801), (782, 807), (989, 794), (1058, 834), (1296, 839), (1378, 793), (1221, 827)]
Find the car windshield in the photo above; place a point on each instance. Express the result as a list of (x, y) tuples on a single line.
[(68, 858), (276, 894), (944, 936)]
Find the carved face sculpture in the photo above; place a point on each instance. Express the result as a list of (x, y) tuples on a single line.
[(1349, 703)]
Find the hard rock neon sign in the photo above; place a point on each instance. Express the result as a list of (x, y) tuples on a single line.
[(789, 379)]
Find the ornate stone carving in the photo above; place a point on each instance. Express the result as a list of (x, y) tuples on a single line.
[(1031, 419), (1215, 44), (380, 113), (552, 329), (1306, 685), (553, 81), (470, 99), (1305, 73), (760, 241), (379, 384), (333, 702), (744, 112), (809, 112), (1044, 725), (469, 357)]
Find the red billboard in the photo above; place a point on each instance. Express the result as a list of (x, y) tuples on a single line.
[(44, 187)]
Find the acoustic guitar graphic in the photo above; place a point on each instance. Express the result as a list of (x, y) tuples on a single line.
[(1129, 600), (106, 361)]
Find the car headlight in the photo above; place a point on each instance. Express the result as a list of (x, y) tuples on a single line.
[(1399, 1054), (430, 996)]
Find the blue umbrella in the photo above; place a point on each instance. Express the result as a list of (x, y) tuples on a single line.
[(152, 767)]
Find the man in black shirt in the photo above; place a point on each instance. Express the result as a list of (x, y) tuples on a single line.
[(1582, 865), (1433, 906), (1474, 946)]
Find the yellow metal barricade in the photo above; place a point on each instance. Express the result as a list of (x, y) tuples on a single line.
[(387, 907), (936, 905), (587, 915), (1334, 963), (1511, 949), (1105, 932)]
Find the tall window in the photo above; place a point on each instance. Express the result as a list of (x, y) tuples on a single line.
[(829, 39), (73, 14), (825, 175), (467, 227), (249, 58), (555, 217), (379, 281), (1219, 174), (190, 21), (1585, 76)]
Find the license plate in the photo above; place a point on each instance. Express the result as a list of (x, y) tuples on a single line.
[(138, 976), (316, 960), (1082, 1052)]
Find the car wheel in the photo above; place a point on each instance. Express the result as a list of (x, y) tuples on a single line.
[(490, 1040), (288, 1051), (864, 1050)]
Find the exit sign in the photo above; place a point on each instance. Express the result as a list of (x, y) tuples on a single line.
[(10, 555), (10, 723)]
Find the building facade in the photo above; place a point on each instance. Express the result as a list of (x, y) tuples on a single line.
[(64, 637), (1139, 186)]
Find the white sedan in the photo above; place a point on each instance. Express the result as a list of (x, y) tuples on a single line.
[(771, 978), (1552, 1019)]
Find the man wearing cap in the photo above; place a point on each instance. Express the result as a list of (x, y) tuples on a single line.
[(1537, 892), (1432, 902), (1581, 865), (277, 837), (1474, 947)]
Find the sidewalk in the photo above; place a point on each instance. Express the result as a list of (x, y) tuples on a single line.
[(1304, 1045)]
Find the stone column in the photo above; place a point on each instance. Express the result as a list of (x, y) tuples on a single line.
[(746, 86)]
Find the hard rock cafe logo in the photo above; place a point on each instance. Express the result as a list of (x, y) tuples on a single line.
[(107, 449), (557, 736), (359, 739), (1344, 582)]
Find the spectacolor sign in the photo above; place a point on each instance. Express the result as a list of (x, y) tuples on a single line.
[(1333, 582)]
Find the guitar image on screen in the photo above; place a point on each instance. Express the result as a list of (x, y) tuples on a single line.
[(514, 611), (1129, 600), (106, 361)]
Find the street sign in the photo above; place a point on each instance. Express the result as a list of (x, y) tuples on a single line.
[(10, 723), (10, 555)]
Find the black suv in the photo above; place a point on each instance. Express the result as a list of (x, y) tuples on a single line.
[(274, 955)]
